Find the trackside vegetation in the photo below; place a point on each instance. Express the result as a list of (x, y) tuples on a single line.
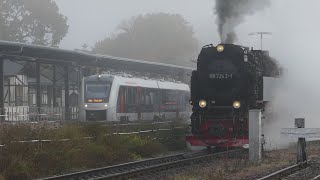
[(31, 151)]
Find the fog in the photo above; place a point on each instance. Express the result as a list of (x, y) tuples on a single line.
[(294, 43), (101, 17)]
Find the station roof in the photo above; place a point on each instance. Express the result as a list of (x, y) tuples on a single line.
[(27, 52)]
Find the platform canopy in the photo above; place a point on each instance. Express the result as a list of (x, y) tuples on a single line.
[(26, 52)]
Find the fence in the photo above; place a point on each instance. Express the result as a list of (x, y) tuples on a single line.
[(27, 113)]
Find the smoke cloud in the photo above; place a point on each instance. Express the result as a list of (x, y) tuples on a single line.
[(295, 44), (231, 13)]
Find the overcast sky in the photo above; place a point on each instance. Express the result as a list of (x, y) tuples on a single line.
[(294, 23), (289, 20), (92, 20)]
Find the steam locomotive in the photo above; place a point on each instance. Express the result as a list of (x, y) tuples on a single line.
[(228, 82)]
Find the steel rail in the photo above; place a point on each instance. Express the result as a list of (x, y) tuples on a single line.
[(285, 172), (115, 168), (166, 166), (144, 167), (316, 178)]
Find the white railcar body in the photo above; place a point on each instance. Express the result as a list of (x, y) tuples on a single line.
[(131, 99)]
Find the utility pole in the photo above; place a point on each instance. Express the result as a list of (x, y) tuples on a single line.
[(261, 35)]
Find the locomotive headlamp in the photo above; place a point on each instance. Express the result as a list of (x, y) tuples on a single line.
[(202, 103), (220, 48), (236, 104)]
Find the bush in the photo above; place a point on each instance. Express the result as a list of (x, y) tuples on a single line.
[(18, 170), (145, 147), (51, 162), (40, 159)]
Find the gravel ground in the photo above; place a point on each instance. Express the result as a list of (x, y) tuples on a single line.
[(308, 173), (172, 173), (241, 168)]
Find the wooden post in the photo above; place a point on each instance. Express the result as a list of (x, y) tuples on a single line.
[(301, 133)]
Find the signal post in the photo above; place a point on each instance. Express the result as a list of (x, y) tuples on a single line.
[(301, 133)]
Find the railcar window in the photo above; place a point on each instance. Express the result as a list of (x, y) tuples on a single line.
[(182, 100), (169, 101), (98, 90), (132, 95), (147, 98), (133, 99), (169, 96), (127, 99), (149, 104)]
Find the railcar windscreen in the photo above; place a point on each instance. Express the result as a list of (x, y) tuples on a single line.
[(98, 92)]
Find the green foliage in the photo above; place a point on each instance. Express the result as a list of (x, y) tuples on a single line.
[(175, 139), (31, 160), (18, 170), (144, 146), (50, 162), (32, 21), (166, 38)]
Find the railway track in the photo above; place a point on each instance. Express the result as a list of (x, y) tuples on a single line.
[(286, 172), (310, 171), (146, 167)]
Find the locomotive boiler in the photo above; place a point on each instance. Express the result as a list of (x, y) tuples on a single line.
[(228, 82)]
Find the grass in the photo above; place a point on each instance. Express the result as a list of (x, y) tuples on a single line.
[(33, 160)]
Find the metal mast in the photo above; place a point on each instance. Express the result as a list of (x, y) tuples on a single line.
[(261, 35)]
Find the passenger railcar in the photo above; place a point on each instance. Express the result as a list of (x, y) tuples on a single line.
[(116, 98), (229, 81)]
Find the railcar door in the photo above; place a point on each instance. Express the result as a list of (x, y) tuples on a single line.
[(121, 100), (127, 103)]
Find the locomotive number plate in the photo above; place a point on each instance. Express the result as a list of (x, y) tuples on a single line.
[(220, 76)]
